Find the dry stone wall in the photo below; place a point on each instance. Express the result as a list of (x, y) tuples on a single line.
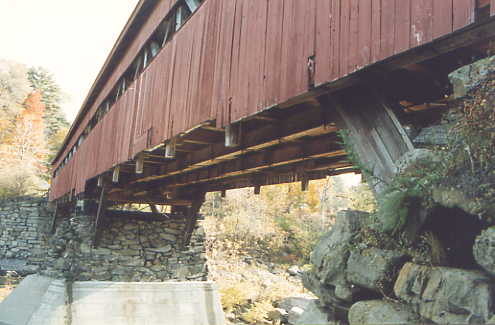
[(23, 223), (129, 249)]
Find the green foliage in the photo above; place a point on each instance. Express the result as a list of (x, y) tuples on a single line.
[(43, 81)]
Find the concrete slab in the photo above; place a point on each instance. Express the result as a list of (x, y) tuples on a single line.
[(23, 302), (118, 303)]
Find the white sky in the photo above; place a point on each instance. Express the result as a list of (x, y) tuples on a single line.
[(71, 38)]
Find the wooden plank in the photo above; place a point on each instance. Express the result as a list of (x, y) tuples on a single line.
[(442, 17), (388, 24), (421, 22), (365, 33), (335, 40), (464, 12), (354, 49), (345, 15), (273, 52), (402, 25), (492, 7), (323, 41), (376, 7)]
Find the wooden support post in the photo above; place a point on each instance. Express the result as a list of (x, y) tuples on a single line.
[(154, 209), (140, 163), (223, 193), (51, 230), (116, 174), (192, 217), (304, 184), (99, 217), (257, 190), (233, 135), (376, 136), (171, 149), (100, 181)]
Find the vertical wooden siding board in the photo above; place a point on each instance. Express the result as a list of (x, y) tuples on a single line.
[(402, 25), (309, 41), (287, 75), (223, 62), (421, 12), (210, 40), (463, 13), (168, 122), (238, 79), (492, 7), (233, 97), (376, 6), (273, 52), (335, 39), (263, 17), (387, 37), (323, 41), (442, 17), (344, 37), (354, 50), (365, 33)]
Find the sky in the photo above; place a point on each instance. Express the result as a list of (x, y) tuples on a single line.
[(70, 38)]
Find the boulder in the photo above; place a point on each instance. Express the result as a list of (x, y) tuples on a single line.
[(437, 135), (374, 269), (294, 270), (468, 77), (412, 157), (329, 259), (446, 295), (484, 250), (290, 302), (312, 315), (381, 312)]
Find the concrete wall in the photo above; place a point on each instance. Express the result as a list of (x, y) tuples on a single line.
[(112, 303)]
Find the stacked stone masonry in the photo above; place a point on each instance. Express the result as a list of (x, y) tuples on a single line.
[(23, 224), (129, 250)]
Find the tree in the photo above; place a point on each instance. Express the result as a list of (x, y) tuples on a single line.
[(51, 94), (24, 152), (14, 88)]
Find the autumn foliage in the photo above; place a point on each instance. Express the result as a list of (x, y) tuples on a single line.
[(26, 142)]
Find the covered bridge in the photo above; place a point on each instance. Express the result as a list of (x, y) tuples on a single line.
[(210, 95)]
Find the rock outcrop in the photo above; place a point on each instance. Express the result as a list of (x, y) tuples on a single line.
[(381, 312), (427, 255), (484, 250), (447, 295)]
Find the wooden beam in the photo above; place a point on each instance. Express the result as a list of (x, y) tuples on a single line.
[(154, 209), (171, 149), (304, 184), (116, 174), (100, 181), (257, 189), (99, 216), (192, 217), (310, 122), (123, 197), (140, 163), (284, 154), (233, 135)]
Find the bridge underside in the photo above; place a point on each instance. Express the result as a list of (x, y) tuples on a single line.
[(297, 141)]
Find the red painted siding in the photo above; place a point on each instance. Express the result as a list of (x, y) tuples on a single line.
[(236, 57)]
